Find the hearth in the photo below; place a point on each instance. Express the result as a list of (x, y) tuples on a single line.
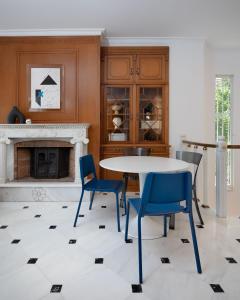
[(49, 162)]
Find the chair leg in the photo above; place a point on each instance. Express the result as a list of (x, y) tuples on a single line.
[(118, 216), (127, 222), (124, 189), (172, 222), (165, 225), (195, 245), (140, 251), (78, 209), (125, 204), (91, 200), (197, 207)]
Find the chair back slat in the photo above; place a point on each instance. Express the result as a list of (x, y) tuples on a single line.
[(189, 157), (87, 166), (166, 188)]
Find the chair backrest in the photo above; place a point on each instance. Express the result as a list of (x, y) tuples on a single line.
[(192, 158), (87, 167), (166, 188), (136, 151)]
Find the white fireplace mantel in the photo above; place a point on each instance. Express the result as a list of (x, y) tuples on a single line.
[(77, 134)]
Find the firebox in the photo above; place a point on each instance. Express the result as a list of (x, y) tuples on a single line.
[(49, 162)]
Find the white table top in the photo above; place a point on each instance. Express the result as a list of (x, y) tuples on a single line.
[(143, 164)]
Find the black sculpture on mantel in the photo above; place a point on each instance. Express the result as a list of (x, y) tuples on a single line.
[(15, 115)]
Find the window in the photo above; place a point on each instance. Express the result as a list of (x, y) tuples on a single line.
[(223, 95)]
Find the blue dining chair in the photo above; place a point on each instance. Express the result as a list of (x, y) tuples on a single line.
[(87, 169), (163, 195)]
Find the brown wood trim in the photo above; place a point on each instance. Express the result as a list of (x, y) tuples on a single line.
[(199, 144), (134, 50), (233, 146)]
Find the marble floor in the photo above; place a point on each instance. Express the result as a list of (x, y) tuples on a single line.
[(43, 257)]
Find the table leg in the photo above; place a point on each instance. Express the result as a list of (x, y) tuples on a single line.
[(152, 227)]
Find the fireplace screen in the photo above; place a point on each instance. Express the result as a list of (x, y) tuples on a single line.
[(49, 162)]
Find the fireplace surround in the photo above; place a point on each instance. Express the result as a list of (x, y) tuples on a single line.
[(16, 141)]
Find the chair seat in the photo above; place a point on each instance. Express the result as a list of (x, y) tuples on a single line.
[(157, 209), (103, 185)]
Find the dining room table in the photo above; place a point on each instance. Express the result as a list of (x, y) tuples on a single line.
[(151, 226)]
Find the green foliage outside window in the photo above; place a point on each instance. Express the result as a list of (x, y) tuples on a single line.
[(223, 115)]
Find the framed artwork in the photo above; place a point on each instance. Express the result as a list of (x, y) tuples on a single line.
[(45, 87)]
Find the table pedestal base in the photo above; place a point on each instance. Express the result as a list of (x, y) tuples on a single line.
[(152, 228)]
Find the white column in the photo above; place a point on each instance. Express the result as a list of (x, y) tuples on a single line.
[(205, 203), (79, 151), (221, 178), (3, 159)]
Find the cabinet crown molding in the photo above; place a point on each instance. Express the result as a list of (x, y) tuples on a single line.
[(53, 32)]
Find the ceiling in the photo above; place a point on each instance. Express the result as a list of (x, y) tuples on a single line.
[(216, 20)]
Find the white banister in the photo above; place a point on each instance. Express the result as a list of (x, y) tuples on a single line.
[(221, 178)]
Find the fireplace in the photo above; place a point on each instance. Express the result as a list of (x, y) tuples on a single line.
[(43, 160), (49, 162)]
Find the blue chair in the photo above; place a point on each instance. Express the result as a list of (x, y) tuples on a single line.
[(163, 195), (93, 185)]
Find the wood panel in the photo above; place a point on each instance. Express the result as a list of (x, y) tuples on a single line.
[(118, 69), (151, 68), (80, 58)]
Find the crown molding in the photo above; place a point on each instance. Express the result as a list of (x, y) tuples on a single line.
[(146, 41), (53, 32)]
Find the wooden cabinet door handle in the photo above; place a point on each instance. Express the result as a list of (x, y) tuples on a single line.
[(131, 71)]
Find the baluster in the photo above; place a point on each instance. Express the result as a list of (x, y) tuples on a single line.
[(221, 178)]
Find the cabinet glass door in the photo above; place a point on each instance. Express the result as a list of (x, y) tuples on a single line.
[(150, 114), (117, 118)]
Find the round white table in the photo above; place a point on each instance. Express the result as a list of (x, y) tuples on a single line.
[(143, 165)]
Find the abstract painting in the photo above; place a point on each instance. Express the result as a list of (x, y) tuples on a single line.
[(45, 88)]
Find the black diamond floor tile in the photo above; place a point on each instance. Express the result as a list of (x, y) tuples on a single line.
[(52, 227), (185, 241), (32, 261), (217, 288), (101, 226), (238, 240), (64, 206), (81, 216), (105, 194), (129, 241), (231, 260), (99, 260), (37, 216), (15, 241), (56, 288), (136, 288), (200, 226), (72, 241), (24, 207), (3, 226), (103, 206), (165, 260)]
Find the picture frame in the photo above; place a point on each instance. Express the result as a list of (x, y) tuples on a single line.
[(45, 87)]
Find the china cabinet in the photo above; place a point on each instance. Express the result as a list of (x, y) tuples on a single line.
[(134, 101)]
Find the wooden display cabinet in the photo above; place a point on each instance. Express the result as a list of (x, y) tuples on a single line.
[(134, 102)]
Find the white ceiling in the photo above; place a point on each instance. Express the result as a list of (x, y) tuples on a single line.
[(216, 20)]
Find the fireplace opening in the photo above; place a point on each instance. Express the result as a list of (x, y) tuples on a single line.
[(49, 163), (44, 160)]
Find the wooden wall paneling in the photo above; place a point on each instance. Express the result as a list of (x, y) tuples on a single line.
[(89, 94), (8, 74), (80, 57), (67, 59)]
